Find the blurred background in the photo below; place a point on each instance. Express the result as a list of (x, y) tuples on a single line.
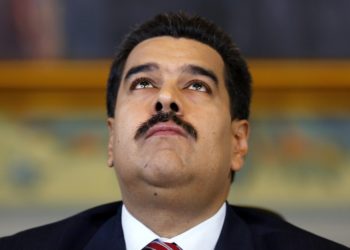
[(54, 61)]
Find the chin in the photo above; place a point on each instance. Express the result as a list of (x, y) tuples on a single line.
[(165, 170)]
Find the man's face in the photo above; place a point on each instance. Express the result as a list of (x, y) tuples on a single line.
[(186, 77)]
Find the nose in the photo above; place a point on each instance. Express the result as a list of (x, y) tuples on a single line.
[(173, 107), (167, 101)]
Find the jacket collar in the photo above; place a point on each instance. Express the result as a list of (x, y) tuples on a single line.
[(235, 233), (110, 235)]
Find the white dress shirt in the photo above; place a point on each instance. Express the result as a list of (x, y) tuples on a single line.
[(204, 236)]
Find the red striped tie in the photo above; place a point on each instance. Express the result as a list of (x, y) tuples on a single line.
[(160, 245)]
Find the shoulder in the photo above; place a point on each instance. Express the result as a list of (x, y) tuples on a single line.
[(69, 233), (270, 231)]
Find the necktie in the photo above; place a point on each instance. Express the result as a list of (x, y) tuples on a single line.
[(160, 245)]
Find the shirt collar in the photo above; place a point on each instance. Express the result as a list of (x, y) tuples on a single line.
[(203, 236)]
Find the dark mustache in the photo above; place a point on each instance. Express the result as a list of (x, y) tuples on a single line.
[(164, 117)]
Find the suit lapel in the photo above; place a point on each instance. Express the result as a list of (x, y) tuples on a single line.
[(109, 236), (235, 233)]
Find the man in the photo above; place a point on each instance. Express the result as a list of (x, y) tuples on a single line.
[(178, 105)]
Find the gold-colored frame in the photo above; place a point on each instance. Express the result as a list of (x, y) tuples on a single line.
[(279, 85)]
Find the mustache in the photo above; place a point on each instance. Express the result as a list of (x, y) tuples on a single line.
[(164, 117)]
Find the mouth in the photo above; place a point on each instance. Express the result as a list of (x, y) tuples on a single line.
[(165, 129), (165, 124)]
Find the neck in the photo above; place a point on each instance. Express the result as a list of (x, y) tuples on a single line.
[(163, 210)]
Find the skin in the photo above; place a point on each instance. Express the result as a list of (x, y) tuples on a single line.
[(169, 177)]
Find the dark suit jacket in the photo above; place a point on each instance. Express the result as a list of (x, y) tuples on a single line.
[(100, 228)]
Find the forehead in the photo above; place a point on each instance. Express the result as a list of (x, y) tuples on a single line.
[(172, 53)]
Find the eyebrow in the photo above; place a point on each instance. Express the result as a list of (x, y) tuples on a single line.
[(188, 68), (141, 68), (198, 70)]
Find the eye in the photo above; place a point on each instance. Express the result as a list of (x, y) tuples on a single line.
[(198, 86), (142, 83)]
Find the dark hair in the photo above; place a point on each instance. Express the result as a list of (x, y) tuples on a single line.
[(237, 76)]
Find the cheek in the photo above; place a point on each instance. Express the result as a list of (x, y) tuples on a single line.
[(132, 111), (215, 133), (126, 123), (124, 148), (220, 136), (213, 119)]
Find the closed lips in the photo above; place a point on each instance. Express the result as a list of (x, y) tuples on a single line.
[(165, 129)]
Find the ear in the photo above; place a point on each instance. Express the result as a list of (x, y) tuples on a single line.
[(110, 124), (240, 135)]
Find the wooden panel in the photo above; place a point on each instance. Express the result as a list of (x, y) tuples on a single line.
[(67, 74), (302, 74), (279, 85)]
